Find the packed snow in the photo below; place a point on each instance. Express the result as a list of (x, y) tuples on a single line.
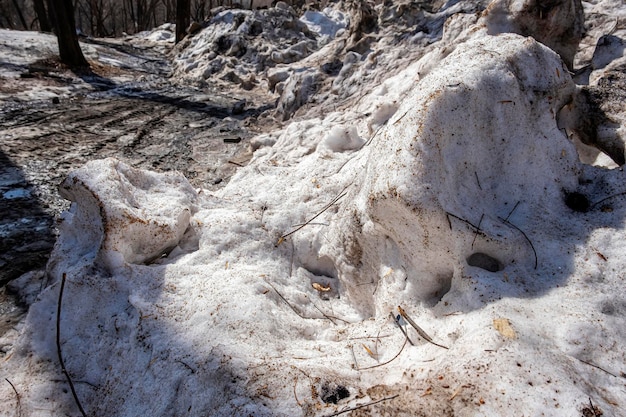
[(435, 230)]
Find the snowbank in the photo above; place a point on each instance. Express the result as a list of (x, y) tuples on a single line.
[(239, 43), (450, 166), (122, 215), (451, 190)]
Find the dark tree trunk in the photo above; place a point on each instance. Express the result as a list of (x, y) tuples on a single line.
[(69, 49), (4, 14), (19, 14), (183, 11), (51, 16), (42, 16), (139, 16)]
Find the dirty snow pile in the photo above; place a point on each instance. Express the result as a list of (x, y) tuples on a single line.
[(324, 57), (444, 253)]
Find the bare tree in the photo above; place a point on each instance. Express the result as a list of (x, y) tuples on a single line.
[(42, 16), (20, 15), (112, 17), (183, 13), (69, 49)]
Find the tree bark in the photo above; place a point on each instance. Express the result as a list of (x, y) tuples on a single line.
[(69, 49), (183, 11), (42, 16), (19, 14)]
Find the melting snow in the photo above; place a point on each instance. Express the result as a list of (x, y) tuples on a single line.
[(450, 189)]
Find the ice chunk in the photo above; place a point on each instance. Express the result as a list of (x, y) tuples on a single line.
[(123, 215), (341, 139)]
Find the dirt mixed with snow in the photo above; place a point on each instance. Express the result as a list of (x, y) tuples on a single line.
[(406, 208)]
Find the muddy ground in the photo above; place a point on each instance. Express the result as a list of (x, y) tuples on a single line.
[(146, 122)]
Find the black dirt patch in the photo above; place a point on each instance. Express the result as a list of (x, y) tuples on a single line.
[(332, 394)]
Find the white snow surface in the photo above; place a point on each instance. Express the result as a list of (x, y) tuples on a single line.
[(437, 186), (325, 23)]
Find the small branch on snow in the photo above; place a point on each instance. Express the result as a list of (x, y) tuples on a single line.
[(59, 354), (448, 215), (477, 230), (347, 410), (505, 221), (477, 180), (294, 392), (597, 203), (295, 310), (326, 207), (385, 363), (511, 212), (17, 396), (602, 369), (193, 371), (356, 364), (419, 329), (401, 328)]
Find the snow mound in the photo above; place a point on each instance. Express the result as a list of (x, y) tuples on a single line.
[(238, 43), (163, 33), (123, 215), (341, 139), (450, 190), (446, 179)]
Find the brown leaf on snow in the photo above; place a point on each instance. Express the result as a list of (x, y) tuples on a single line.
[(503, 326)]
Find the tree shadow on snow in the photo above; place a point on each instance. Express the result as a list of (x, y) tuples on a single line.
[(213, 105), (26, 229)]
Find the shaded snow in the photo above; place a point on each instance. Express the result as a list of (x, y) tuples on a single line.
[(449, 188)]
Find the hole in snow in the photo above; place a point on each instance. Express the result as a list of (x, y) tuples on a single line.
[(445, 283), (484, 261), (322, 266), (577, 201)]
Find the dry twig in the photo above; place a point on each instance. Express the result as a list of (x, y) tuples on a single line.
[(295, 310), (418, 328), (505, 221), (60, 355), (326, 207), (478, 229), (598, 367), (477, 180), (401, 328), (17, 396), (511, 212), (448, 215), (294, 392), (347, 410), (597, 203), (385, 363)]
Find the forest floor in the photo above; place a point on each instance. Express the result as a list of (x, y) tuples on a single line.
[(131, 112)]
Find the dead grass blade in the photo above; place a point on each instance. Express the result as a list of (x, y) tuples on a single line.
[(419, 330)]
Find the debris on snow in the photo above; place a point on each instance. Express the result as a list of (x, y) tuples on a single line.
[(433, 166)]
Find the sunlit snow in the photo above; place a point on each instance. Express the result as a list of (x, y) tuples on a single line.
[(434, 175)]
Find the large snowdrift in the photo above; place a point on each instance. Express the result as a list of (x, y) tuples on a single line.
[(458, 198), (451, 164)]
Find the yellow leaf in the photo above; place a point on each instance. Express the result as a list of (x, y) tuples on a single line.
[(503, 326), (320, 287)]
